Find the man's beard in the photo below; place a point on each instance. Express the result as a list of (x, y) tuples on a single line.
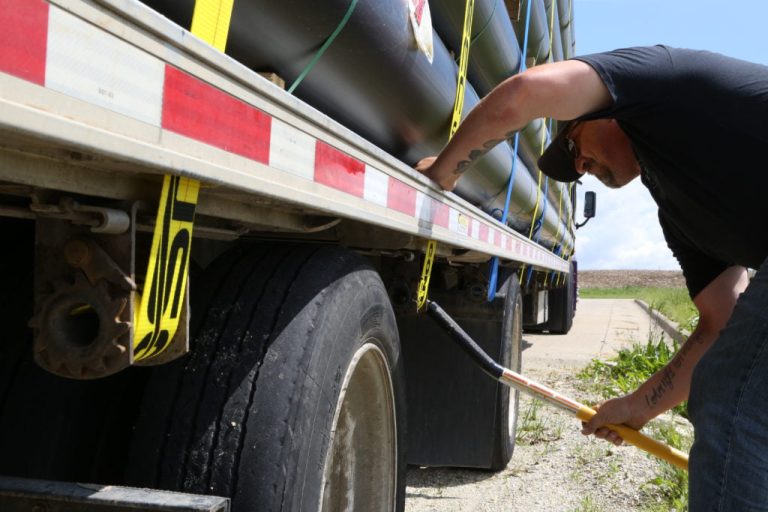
[(607, 177)]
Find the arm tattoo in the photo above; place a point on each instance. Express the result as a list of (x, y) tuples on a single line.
[(666, 383), (475, 154), (662, 387)]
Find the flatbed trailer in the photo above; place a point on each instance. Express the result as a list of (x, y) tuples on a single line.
[(298, 349)]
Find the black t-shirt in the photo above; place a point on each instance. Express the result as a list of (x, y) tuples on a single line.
[(698, 122)]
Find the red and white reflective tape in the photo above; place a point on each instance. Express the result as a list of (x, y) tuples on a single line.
[(46, 45)]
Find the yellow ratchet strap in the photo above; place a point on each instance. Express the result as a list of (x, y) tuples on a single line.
[(426, 274), (164, 291), (458, 107), (466, 38), (211, 21)]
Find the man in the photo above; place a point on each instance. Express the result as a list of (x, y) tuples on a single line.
[(694, 126)]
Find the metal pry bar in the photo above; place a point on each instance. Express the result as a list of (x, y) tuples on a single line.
[(550, 396)]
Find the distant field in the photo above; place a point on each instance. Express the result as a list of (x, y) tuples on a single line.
[(663, 290), (622, 278)]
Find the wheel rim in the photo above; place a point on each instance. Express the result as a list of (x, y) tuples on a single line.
[(361, 466)]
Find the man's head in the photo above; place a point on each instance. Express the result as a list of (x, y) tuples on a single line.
[(598, 147)]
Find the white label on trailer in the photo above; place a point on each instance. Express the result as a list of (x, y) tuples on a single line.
[(492, 236), (475, 230), (459, 223), (376, 186), (424, 207), (89, 64), (292, 150)]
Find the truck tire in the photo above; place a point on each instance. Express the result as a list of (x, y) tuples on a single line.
[(50, 427), (505, 426), (15, 300), (293, 395), (562, 305)]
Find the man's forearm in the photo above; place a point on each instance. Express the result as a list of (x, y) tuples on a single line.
[(492, 121), (670, 385)]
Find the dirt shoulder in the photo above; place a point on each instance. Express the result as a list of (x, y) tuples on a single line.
[(554, 468)]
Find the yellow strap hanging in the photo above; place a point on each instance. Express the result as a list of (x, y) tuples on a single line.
[(533, 219), (159, 309), (458, 107), (560, 198), (426, 273), (165, 287)]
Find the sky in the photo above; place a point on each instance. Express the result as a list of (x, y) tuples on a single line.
[(625, 233)]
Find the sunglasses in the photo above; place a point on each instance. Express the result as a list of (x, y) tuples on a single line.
[(570, 144), (572, 148)]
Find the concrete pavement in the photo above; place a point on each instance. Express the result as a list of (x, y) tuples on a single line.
[(600, 329)]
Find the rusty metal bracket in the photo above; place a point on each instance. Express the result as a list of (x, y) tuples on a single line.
[(84, 299), (86, 293)]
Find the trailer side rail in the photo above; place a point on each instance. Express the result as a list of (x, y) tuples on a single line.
[(113, 78)]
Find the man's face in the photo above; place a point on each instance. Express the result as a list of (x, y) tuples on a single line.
[(602, 149)]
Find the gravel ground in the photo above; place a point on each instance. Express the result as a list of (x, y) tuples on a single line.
[(554, 468)]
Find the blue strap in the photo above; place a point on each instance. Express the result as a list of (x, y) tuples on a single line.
[(493, 281)]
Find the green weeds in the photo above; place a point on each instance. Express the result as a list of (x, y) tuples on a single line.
[(535, 428), (531, 429), (588, 504), (670, 485), (630, 368), (668, 489)]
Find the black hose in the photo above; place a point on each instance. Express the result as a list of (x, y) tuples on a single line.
[(465, 342)]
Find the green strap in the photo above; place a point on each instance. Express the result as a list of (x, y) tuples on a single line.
[(325, 47)]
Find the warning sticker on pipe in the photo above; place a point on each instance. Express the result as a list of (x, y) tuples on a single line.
[(421, 22)]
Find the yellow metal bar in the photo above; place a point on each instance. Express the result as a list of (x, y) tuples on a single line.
[(633, 437)]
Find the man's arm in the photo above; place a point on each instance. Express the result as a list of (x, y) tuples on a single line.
[(670, 385), (561, 90)]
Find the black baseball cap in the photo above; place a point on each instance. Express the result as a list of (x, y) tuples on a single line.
[(556, 161)]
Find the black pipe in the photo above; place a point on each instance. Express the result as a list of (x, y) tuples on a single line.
[(375, 81)]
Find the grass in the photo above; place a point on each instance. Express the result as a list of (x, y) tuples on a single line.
[(668, 490), (532, 428), (674, 303), (670, 485), (630, 368), (588, 504)]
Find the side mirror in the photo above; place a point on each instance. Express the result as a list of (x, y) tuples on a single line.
[(590, 206)]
